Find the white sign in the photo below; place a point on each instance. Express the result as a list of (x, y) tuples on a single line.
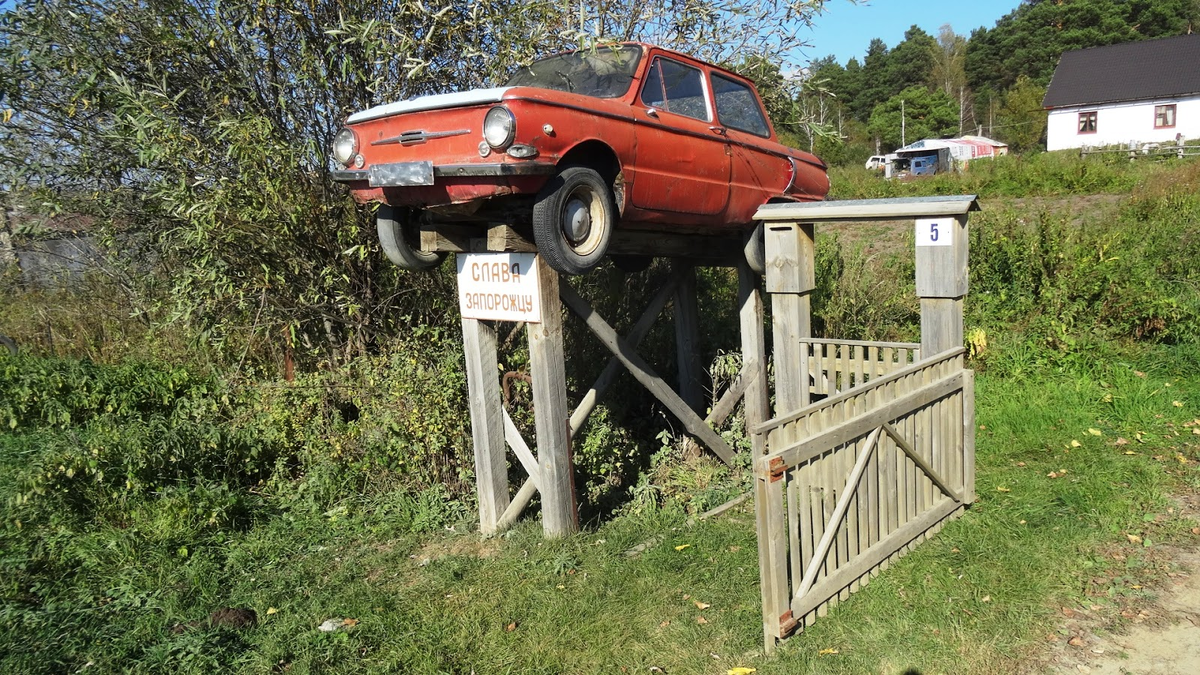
[(936, 231), (498, 287)]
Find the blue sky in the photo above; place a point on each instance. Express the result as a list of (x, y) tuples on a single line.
[(845, 30)]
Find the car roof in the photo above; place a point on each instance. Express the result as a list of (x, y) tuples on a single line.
[(647, 46)]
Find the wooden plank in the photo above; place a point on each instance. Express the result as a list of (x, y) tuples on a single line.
[(839, 510), (487, 427), (937, 477), (968, 436), (833, 400), (687, 338), (729, 400), (858, 343), (941, 271), (754, 359), (560, 515), (860, 210), (521, 449), (644, 374), (724, 251), (501, 237), (614, 366), (820, 442), (896, 541), (518, 504), (789, 316), (772, 557)]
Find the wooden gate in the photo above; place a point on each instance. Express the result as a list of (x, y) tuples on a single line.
[(854, 480), (872, 446)]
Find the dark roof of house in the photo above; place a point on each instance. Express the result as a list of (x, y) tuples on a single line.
[(1131, 71)]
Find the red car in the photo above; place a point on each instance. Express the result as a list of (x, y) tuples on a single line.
[(577, 144)]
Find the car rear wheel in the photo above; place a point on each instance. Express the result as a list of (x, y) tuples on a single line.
[(573, 220), (400, 240)]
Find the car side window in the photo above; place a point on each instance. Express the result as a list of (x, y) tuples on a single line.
[(675, 87), (738, 108)]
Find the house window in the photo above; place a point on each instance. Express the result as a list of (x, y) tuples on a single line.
[(1164, 116), (1087, 122)]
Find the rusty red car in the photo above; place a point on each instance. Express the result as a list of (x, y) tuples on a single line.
[(571, 148)]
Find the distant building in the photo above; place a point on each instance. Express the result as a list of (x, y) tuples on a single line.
[(1131, 93), (937, 155)]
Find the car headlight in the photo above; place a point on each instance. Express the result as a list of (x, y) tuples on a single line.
[(499, 127), (345, 146)]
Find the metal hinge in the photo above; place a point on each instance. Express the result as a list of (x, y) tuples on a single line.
[(787, 624), (778, 468)]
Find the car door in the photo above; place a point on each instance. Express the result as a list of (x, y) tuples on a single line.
[(682, 158), (756, 174)]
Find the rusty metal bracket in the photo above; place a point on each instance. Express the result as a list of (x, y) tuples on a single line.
[(778, 468), (787, 624)]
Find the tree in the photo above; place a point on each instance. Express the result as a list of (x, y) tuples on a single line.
[(1030, 39), (1021, 117), (921, 112), (204, 125)]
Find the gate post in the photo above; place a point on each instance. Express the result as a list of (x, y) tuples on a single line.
[(790, 253), (941, 262), (552, 419)]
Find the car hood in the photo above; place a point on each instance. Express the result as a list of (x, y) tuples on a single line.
[(432, 102)]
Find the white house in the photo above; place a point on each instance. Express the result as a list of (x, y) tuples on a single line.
[(1131, 93)]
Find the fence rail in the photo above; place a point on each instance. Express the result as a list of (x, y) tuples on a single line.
[(834, 366), (853, 481)]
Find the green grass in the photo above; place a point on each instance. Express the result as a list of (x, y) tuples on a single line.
[(978, 597)]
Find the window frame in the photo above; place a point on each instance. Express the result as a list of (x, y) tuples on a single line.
[(706, 92), (1091, 115), (766, 119), (1163, 107)]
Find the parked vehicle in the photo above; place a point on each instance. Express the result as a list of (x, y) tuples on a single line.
[(876, 163), (572, 147)]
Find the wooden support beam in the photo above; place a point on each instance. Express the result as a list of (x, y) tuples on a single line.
[(754, 359), (941, 269), (645, 374), (487, 428), (790, 279), (729, 400), (517, 506), (560, 515), (521, 449), (614, 367), (687, 338)]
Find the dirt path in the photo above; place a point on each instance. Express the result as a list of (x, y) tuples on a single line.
[(1162, 638)]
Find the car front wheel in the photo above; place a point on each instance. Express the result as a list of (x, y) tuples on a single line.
[(573, 220), (399, 238)]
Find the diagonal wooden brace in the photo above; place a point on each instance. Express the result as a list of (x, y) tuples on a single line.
[(645, 374)]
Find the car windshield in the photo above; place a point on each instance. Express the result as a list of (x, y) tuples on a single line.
[(605, 72)]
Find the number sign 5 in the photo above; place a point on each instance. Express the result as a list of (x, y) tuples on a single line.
[(935, 231)]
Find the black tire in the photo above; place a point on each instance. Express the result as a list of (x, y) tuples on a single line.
[(8, 345), (573, 220), (399, 238), (754, 248)]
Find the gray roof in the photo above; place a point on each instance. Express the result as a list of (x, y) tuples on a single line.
[(1131, 71)]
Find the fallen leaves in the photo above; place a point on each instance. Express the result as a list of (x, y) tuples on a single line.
[(1057, 474), (511, 627), (701, 620), (331, 625), (701, 605), (682, 546), (1177, 404), (740, 670), (827, 652), (272, 610), (1001, 488), (1095, 432)]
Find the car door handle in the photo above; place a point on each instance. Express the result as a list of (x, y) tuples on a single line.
[(720, 131), (651, 112)]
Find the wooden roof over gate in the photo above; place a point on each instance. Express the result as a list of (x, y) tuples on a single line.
[(855, 210)]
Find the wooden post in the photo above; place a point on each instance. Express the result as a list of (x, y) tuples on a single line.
[(941, 281), (487, 422), (551, 415), (687, 339), (791, 278), (754, 360)]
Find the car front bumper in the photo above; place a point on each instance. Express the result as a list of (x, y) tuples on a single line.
[(410, 174)]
